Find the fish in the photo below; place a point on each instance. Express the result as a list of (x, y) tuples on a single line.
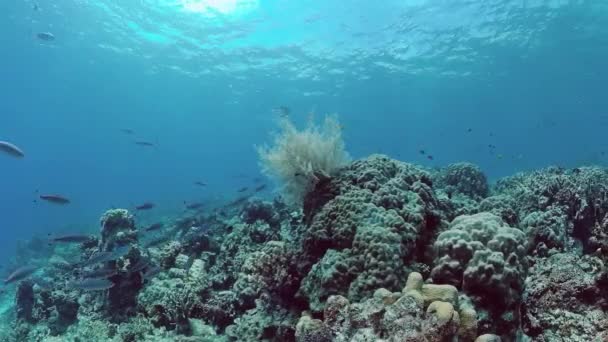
[(200, 183), (239, 201), (145, 143), (151, 272), (43, 284), (430, 157), (127, 131), (11, 149), (145, 206), (98, 258), (20, 274), (100, 273), (46, 36), (120, 252), (193, 206), (260, 188), (153, 227), (91, 284), (423, 152), (155, 242), (282, 111), (140, 265), (75, 238), (469, 130), (55, 199), (243, 189)]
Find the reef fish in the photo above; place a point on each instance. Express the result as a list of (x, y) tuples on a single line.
[(155, 242), (55, 199), (260, 188), (46, 36), (98, 258), (127, 130), (195, 205), (151, 272), (20, 274), (92, 284), (120, 252), (200, 183), (139, 265), (71, 238), (100, 273), (144, 143), (282, 111), (11, 149), (153, 227), (243, 189), (145, 206)]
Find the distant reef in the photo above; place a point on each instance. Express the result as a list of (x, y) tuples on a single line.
[(380, 251)]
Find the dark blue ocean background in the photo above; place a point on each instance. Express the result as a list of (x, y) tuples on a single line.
[(200, 80)]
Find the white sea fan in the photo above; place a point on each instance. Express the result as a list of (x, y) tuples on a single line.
[(298, 159)]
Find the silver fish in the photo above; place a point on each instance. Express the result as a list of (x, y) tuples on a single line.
[(91, 284), (46, 36), (71, 238), (120, 252), (101, 273), (98, 258), (151, 272), (20, 274), (11, 149)]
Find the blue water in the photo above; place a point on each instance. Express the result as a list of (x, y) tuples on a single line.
[(200, 79)]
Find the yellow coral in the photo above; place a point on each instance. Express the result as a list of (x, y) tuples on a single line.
[(444, 312), (488, 338), (414, 282), (444, 293), (437, 297)]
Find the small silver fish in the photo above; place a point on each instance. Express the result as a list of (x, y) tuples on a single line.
[(151, 272), (11, 149), (20, 274), (97, 258), (91, 284), (101, 273), (55, 199), (46, 36), (71, 238)]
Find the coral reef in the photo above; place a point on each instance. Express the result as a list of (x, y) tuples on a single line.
[(377, 250)]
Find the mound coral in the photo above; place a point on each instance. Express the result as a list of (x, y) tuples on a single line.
[(301, 159), (377, 216), (486, 258)]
